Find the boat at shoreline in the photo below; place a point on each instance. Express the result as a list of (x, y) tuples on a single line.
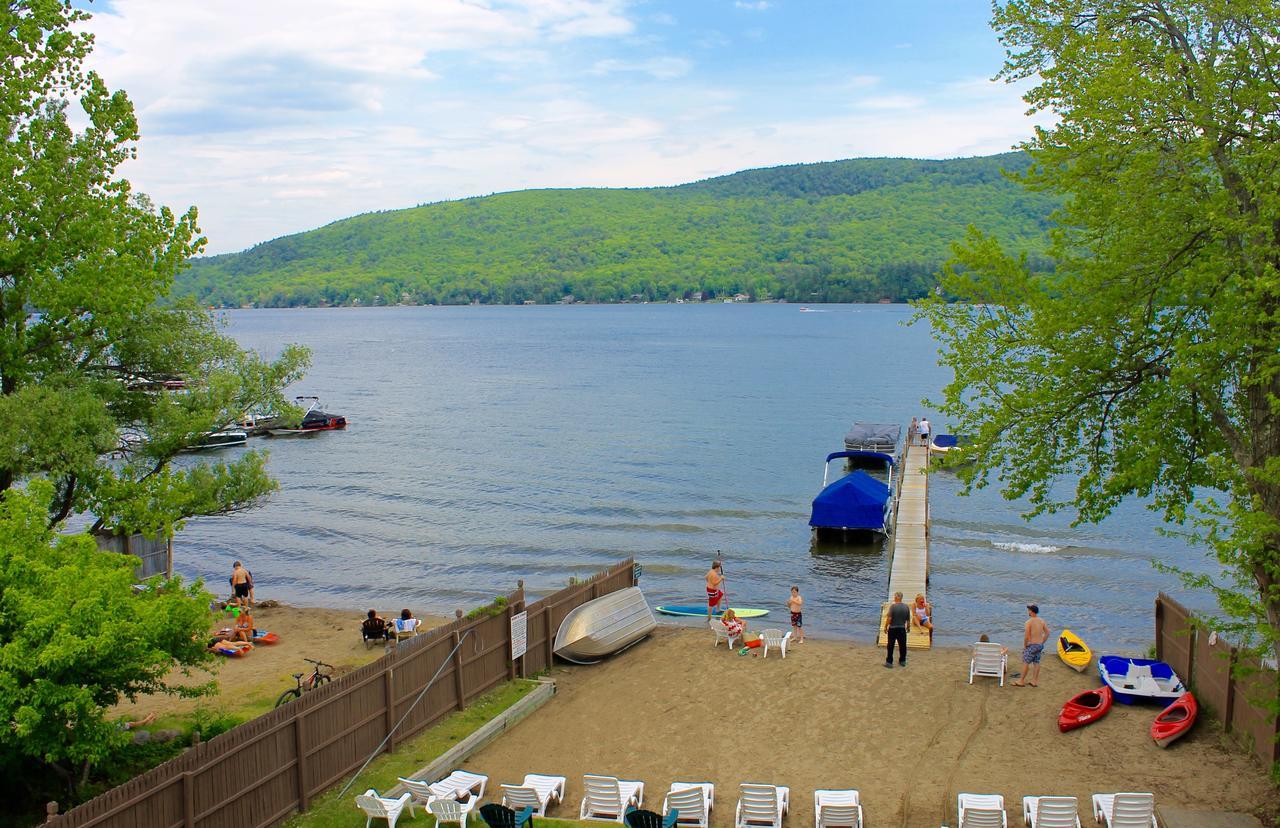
[(313, 421), (1085, 708), (1140, 679), (885, 438), (1175, 721), (856, 503), (604, 626), (225, 438), (1073, 651), (696, 611)]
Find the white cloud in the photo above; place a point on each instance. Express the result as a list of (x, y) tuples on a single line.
[(662, 68), (891, 102), (752, 5)]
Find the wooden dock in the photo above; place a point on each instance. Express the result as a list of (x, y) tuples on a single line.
[(909, 543)]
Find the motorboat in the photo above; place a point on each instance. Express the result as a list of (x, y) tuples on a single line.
[(856, 502), (884, 438), (604, 626), (1140, 679), (1085, 708), (313, 420), (221, 439), (257, 422), (944, 443), (1175, 721)]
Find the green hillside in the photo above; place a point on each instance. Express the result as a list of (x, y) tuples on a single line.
[(860, 230)]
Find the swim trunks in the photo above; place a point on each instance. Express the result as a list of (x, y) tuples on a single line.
[(797, 619), (242, 590), (1031, 653), (714, 596)]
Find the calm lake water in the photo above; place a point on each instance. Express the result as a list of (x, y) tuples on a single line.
[(488, 444)]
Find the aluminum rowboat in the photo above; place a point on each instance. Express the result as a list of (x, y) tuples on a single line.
[(604, 626)]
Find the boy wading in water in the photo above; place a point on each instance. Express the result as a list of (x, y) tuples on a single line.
[(1033, 638), (715, 588), (796, 604)]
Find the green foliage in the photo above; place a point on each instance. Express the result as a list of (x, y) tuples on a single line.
[(859, 230), (488, 610), (87, 336), (75, 639), (1148, 362)]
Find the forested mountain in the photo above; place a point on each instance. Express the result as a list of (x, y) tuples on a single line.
[(860, 230)]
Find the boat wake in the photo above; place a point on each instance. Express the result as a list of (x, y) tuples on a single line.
[(1032, 548)]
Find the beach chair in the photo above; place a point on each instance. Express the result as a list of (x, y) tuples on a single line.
[(1125, 810), (775, 639), (451, 810), (761, 805), (694, 801), (987, 661), (373, 629), (607, 797), (1051, 811), (638, 818), (837, 809), (536, 791), (405, 628), (460, 784), (981, 810), (500, 816), (723, 634), (383, 807)]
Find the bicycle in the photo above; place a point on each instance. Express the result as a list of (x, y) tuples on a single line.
[(312, 681)]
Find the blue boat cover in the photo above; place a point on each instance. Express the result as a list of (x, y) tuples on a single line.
[(946, 440), (861, 455), (855, 501)]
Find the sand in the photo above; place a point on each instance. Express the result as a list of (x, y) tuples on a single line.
[(331, 636), (830, 716)]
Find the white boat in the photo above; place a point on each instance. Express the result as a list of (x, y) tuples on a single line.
[(604, 626), (221, 439)]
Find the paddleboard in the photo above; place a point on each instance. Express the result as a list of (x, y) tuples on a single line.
[(701, 612)]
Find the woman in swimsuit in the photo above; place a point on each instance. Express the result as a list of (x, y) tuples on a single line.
[(922, 613)]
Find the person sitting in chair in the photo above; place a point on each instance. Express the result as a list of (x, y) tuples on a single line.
[(374, 628), (406, 625)]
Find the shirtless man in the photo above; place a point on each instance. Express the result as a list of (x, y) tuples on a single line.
[(241, 584), (715, 588), (1033, 638)]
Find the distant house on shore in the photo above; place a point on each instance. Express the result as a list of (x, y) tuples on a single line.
[(696, 296), (566, 300), (741, 297), (529, 302)]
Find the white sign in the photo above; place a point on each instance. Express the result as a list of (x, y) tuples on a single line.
[(519, 634)]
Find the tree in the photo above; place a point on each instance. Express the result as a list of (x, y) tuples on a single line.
[(87, 340), (1147, 363), (75, 640)]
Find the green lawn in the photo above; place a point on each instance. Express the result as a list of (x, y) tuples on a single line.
[(330, 811)]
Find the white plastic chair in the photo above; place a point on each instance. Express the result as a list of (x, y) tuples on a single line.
[(693, 801), (457, 785), (536, 791), (761, 805), (383, 807), (1125, 810), (776, 639), (451, 810), (723, 634), (1051, 811), (837, 809), (987, 661), (607, 797), (981, 810)]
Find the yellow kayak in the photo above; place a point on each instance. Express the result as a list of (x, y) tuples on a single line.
[(1073, 651)]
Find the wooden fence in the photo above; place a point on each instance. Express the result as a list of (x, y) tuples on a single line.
[(260, 772), (1230, 686), (156, 554)]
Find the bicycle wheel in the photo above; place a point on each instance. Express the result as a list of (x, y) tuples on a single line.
[(323, 679), (288, 696)]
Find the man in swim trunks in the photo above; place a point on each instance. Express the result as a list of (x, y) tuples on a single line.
[(715, 588), (796, 605), (241, 583), (1033, 638)]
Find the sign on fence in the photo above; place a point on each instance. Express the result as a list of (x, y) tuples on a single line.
[(519, 634)]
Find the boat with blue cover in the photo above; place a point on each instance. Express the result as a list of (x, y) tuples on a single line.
[(857, 502), (1140, 679)]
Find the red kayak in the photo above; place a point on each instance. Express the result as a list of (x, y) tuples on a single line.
[(1084, 708), (1175, 720)]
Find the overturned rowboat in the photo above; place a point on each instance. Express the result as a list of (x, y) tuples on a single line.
[(604, 626)]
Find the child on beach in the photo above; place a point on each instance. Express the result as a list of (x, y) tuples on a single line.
[(796, 605)]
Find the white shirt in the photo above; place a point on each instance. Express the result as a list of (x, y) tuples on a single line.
[(924, 426)]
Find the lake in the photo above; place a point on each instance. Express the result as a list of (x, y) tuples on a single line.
[(488, 444)]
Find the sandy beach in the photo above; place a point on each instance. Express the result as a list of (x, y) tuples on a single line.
[(830, 716)]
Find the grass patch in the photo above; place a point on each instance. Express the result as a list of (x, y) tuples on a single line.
[(328, 811)]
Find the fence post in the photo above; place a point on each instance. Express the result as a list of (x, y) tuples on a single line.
[(300, 747), (389, 702), (551, 637), (1160, 628), (1231, 690), (188, 800), (513, 609), (50, 811), (458, 687)]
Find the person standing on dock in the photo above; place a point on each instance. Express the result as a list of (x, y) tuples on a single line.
[(1035, 634), (924, 431), (895, 628), (912, 429), (715, 588)]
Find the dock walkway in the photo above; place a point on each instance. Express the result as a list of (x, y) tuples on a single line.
[(909, 543)]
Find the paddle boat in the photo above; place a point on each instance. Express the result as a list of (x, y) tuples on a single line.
[(1175, 721), (313, 420), (1074, 652), (607, 625), (1139, 679), (1085, 708), (857, 502), (696, 611)]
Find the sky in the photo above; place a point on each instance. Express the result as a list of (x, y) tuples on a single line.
[(280, 116)]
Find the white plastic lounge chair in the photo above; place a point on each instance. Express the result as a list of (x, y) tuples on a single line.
[(1051, 811), (383, 807), (451, 810), (981, 810), (776, 639), (1125, 810), (722, 634), (536, 792), (607, 797), (761, 805), (837, 809), (693, 802), (460, 784), (987, 661)]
